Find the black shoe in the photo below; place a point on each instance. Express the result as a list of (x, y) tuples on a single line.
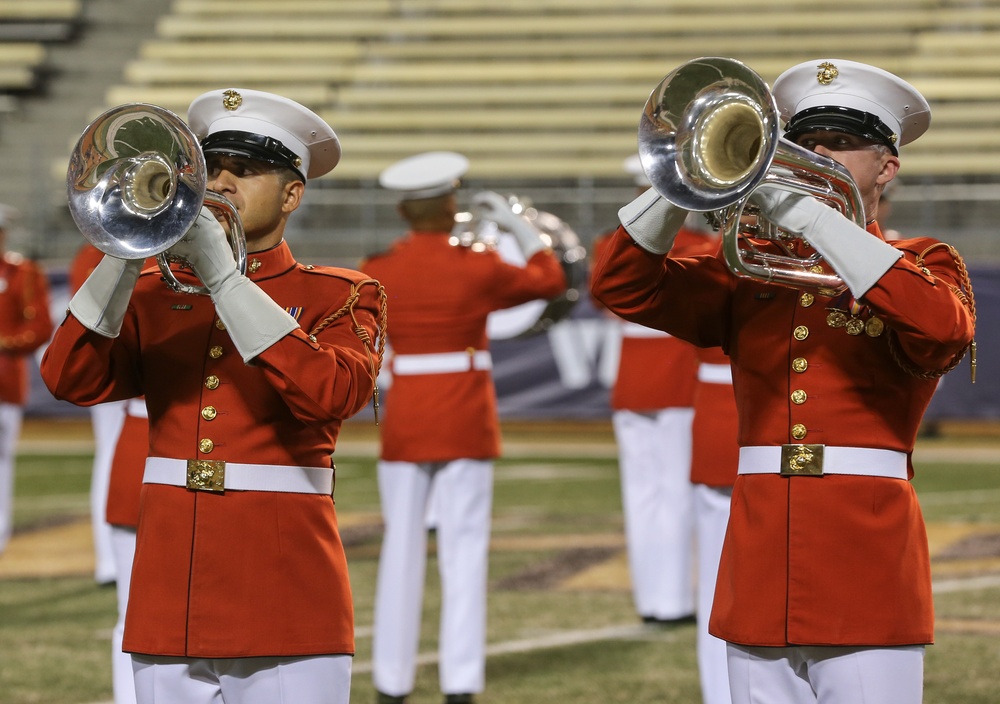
[(382, 698), (459, 699), (669, 622)]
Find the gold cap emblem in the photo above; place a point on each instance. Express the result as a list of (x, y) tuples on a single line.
[(827, 73), (231, 100)]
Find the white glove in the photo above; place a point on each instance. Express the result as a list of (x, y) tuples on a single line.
[(496, 208), (858, 257), (652, 221), (101, 302), (253, 320), (208, 251)]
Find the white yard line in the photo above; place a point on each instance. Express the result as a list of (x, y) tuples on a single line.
[(551, 640)]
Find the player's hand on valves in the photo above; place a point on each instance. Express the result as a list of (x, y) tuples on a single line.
[(790, 211), (207, 249), (498, 209), (495, 207)]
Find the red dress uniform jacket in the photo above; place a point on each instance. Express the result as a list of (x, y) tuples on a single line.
[(238, 573), (715, 454), (832, 560), (25, 323), (656, 370), (440, 296)]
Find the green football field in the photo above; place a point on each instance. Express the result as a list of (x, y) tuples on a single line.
[(561, 624)]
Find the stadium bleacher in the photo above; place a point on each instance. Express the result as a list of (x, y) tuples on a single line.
[(543, 95), (25, 28), (553, 88), (545, 92)]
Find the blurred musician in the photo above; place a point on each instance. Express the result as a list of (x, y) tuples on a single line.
[(714, 458), (440, 427), (651, 413), (25, 325), (122, 516)]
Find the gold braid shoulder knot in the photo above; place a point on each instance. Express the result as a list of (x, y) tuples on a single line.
[(374, 356), (968, 299)]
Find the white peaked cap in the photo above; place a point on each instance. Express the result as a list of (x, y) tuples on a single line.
[(264, 126), (633, 167), (847, 96), (425, 175)]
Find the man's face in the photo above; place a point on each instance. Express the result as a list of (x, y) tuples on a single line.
[(870, 165), (258, 190), (863, 158)]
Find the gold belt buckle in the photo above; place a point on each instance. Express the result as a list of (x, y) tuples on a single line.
[(802, 460), (206, 475)]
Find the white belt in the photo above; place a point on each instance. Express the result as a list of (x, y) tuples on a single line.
[(715, 373), (441, 363), (641, 331), (215, 475), (137, 407), (817, 460)]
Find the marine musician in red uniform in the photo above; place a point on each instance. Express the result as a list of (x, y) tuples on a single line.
[(440, 426), (651, 413), (25, 325), (714, 458), (824, 588), (240, 590)]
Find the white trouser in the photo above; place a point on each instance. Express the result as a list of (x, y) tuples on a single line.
[(463, 491), (122, 680), (106, 421), (10, 431), (654, 455), (320, 679), (711, 510), (826, 675)]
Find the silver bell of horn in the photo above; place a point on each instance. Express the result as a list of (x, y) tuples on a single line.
[(709, 137), (136, 183), (476, 230)]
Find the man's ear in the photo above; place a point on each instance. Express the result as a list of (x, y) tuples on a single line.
[(890, 167), (292, 196)]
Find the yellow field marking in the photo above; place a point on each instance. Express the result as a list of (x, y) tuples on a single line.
[(62, 551), (967, 625)]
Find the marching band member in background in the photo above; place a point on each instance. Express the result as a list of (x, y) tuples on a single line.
[(651, 404), (824, 586), (714, 458), (440, 425), (240, 591), (106, 421), (125, 487), (25, 325)]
